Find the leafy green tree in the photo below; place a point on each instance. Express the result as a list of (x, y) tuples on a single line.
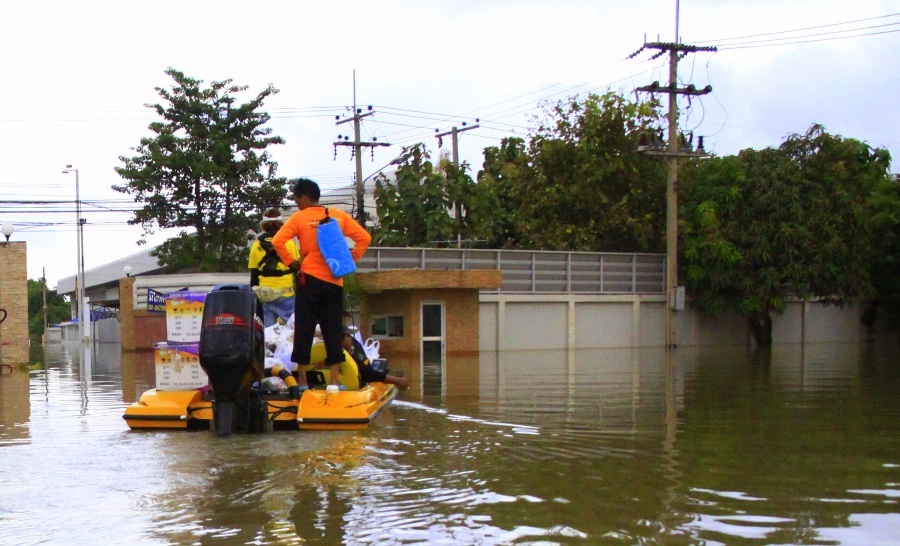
[(461, 190), (885, 216), (206, 169), (414, 209), (58, 309), (769, 225), (590, 189), (494, 204)]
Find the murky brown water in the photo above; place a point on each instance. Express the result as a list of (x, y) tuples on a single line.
[(711, 446)]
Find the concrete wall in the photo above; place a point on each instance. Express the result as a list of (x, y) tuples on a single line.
[(535, 322), (14, 300), (494, 321), (570, 321)]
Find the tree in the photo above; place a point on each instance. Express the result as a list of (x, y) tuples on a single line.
[(782, 223), (414, 210), (58, 309), (494, 205), (884, 207), (461, 191), (205, 169), (589, 188)]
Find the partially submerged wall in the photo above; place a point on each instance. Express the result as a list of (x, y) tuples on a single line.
[(14, 301)]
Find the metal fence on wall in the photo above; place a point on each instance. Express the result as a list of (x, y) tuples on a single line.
[(536, 271), (524, 271)]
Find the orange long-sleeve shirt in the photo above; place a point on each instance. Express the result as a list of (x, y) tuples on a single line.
[(303, 224)]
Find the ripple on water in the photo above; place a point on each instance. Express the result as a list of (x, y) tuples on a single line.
[(611, 454)]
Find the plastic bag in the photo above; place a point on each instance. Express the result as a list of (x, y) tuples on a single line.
[(372, 346), (283, 354), (272, 385)]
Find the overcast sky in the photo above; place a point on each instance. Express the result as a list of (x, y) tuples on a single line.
[(77, 74)]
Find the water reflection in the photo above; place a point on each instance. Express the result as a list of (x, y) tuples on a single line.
[(697, 446), (15, 410)]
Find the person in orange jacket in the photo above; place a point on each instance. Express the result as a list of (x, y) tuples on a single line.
[(319, 297)]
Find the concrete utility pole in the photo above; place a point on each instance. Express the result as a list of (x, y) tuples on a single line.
[(44, 283), (454, 133), (358, 145), (672, 152)]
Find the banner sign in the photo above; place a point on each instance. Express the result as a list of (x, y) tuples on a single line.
[(156, 301)]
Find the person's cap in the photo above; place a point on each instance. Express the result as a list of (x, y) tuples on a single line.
[(272, 215), (348, 331)]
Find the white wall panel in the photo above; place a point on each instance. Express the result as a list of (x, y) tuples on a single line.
[(603, 325), (536, 325)]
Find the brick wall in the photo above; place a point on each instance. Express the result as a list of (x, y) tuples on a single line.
[(402, 292), (140, 328), (126, 313), (14, 299)]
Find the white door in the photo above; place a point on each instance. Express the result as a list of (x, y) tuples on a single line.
[(433, 348)]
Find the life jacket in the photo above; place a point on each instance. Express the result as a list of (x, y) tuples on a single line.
[(359, 353), (268, 266)]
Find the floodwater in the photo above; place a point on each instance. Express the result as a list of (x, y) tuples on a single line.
[(797, 445)]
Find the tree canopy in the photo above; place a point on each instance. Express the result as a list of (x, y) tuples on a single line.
[(884, 206), (578, 184), (589, 188), (205, 169), (58, 309), (495, 204), (764, 226), (414, 208)]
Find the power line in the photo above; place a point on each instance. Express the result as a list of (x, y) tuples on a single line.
[(760, 44), (719, 40)]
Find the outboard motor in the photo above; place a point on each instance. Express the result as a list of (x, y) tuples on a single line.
[(232, 353)]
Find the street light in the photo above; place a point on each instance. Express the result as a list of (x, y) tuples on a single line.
[(7, 230), (396, 161), (79, 279), (360, 195), (127, 270)]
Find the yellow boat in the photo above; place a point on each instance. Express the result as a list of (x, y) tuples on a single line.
[(170, 409), (317, 409), (231, 352)]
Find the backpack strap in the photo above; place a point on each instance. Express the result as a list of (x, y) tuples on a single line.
[(268, 266)]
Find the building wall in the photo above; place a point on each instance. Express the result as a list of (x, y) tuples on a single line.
[(570, 321), (491, 321), (14, 300), (461, 311), (392, 302), (127, 314), (140, 329), (534, 322)]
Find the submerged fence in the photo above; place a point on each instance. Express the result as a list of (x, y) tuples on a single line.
[(536, 271)]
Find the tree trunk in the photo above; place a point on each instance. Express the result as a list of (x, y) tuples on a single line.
[(761, 328)]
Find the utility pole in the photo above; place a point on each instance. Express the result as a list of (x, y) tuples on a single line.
[(357, 146), (44, 282), (673, 153), (454, 133)]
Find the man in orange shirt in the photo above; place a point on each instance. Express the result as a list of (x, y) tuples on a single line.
[(319, 297)]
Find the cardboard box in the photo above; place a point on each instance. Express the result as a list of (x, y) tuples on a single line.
[(184, 316), (178, 367)]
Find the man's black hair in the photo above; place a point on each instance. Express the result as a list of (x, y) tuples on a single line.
[(305, 186)]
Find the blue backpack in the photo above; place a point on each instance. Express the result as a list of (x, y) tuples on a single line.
[(334, 247)]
